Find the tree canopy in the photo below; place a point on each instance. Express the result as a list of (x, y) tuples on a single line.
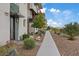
[(71, 29), (39, 21)]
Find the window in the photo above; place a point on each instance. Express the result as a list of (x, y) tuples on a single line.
[(14, 8)]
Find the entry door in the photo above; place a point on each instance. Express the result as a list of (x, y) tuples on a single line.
[(14, 28)]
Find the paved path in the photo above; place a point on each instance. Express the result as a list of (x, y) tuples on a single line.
[(48, 47)]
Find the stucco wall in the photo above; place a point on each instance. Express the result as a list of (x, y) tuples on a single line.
[(4, 23), (31, 29), (31, 6), (23, 11)]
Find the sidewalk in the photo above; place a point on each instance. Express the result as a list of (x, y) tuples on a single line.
[(48, 47)]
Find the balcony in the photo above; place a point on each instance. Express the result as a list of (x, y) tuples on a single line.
[(33, 7), (29, 14)]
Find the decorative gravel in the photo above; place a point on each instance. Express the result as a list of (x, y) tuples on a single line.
[(67, 47)]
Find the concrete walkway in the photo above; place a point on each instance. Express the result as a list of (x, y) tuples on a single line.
[(48, 47)]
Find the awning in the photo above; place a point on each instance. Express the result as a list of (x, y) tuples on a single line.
[(16, 15)]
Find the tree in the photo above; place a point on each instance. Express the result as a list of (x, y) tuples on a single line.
[(72, 30), (48, 28), (39, 21), (56, 30)]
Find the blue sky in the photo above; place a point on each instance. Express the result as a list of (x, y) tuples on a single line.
[(59, 14)]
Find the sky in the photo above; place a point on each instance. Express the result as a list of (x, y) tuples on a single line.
[(59, 14)]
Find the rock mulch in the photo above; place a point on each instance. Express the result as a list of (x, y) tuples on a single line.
[(66, 47), (21, 51)]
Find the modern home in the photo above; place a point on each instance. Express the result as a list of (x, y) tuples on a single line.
[(16, 20), (4, 23), (33, 10)]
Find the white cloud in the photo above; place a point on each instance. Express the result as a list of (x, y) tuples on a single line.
[(52, 23), (62, 18), (59, 17), (68, 15), (53, 10), (67, 12), (43, 10)]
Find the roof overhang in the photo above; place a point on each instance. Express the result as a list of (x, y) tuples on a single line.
[(16, 15), (33, 11)]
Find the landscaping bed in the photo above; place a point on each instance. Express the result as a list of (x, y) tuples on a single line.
[(66, 47), (21, 51), (9, 49), (5, 50)]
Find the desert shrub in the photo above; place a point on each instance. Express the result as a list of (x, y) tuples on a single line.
[(25, 36), (40, 32), (36, 33), (31, 33), (29, 43), (4, 50), (72, 30)]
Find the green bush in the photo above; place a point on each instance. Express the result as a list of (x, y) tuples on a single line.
[(31, 33), (4, 50), (72, 30), (29, 43), (25, 36), (40, 32)]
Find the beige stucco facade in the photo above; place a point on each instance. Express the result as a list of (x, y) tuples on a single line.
[(21, 25), (22, 21), (4, 23), (32, 9)]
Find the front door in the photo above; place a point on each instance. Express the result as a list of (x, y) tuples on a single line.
[(14, 28)]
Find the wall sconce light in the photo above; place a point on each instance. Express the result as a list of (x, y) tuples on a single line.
[(6, 13)]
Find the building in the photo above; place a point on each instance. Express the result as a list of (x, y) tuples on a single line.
[(16, 20), (4, 23), (13, 22), (33, 10)]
